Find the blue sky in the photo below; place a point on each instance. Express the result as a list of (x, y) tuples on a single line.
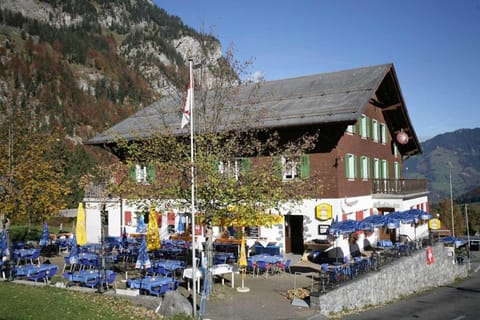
[(433, 44)]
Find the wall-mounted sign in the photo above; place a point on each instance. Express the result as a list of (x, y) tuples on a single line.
[(323, 211), (434, 224), (323, 229)]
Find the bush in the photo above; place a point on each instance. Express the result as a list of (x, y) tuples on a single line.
[(22, 234)]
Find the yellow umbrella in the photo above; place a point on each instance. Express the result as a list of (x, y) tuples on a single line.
[(242, 263), (80, 229), (153, 237)]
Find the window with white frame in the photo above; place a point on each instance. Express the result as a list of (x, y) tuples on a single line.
[(350, 167), (383, 133), (395, 150), (289, 168), (230, 168), (141, 173), (364, 167), (375, 130), (351, 129), (376, 168), (364, 127)]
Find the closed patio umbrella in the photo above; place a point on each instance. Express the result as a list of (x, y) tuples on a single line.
[(141, 227), (124, 238), (3, 244), (242, 263), (143, 260), (80, 229), (180, 224), (73, 257), (45, 240), (153, 235)]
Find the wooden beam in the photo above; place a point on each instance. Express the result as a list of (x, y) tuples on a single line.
[(392, 107)]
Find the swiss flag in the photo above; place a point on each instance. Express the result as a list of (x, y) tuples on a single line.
[(186, 108)]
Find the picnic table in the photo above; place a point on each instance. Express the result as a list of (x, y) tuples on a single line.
[(154, 285), (216, 270)]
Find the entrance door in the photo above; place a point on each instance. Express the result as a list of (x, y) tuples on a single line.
[(294, 234)]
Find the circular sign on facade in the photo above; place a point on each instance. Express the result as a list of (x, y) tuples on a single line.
[(434, 224), (323, 211)]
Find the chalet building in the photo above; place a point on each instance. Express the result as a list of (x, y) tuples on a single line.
[(365, 135)]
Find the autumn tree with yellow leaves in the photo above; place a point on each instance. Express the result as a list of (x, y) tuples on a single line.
[(32, 178)]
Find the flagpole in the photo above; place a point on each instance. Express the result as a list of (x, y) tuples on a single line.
[(192, 208)]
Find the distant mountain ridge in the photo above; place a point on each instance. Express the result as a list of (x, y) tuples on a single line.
[(453, 154)]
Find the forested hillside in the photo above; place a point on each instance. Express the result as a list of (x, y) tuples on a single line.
[(453, 154), (70, 69)]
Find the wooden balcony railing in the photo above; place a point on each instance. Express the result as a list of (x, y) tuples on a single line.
[(399, 186)]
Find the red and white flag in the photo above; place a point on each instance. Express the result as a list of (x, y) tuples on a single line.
[(188, 104)]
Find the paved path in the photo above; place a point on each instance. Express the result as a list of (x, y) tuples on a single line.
[(266, 299)]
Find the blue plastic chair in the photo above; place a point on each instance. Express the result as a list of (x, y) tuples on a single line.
[(40, 275), (263, 267), (251, 267), (163, 272), (284, 266), (93, 283), (52, 271)]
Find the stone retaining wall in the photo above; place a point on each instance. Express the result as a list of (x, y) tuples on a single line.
[(404, 276)]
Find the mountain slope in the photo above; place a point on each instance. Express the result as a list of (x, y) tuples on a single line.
[(76, 68), (455, 154), (75, 59)]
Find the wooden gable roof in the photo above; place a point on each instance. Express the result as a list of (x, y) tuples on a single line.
[(314, 100)]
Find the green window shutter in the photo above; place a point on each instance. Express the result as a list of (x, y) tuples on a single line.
[(347, 166), (277, 166), (133, 172), (216, 166), (387, 167), (355, 170), (396, 168), (151, 173), (369, 170), (246, 164), (363, 169), (369, 125), (305, 166), (361, 124)]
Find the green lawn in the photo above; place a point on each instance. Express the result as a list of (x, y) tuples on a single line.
[(19, 301)]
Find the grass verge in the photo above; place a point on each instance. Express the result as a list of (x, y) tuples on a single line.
[(19, 301)]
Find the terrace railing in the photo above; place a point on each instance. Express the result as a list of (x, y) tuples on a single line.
[(399, 186)]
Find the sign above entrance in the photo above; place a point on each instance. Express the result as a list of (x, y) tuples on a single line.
[(323, 211)]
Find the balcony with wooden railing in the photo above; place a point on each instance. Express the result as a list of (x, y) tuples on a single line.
[(399, 186)]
